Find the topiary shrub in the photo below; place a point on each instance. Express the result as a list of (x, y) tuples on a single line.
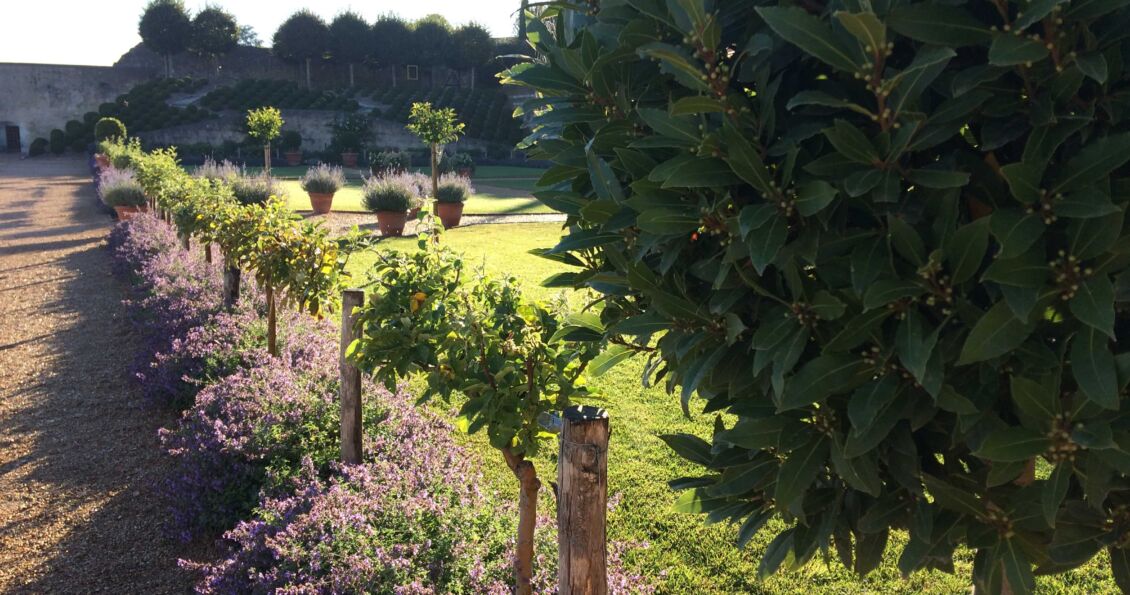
[(57, 141), (37, 147), (109, 128), (890, 244)]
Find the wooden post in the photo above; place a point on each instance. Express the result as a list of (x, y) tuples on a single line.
[(272, 323), (208, 252), (351, 299), (582, 505), (185, 243)]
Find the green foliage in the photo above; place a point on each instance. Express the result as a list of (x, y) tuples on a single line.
[(251, 94), (290, 140), (304, 35), (347, 36), (350, 133), (323, 179), (469, 334), (390, 161), (389, 41), (214, 32), (109, 128), (472, 46), (264, 124), (850, 234), (453, 188), (123, 153), (38, 147), (487, 112), (434, 126), (57, 141), (254, 190), (165, 27)]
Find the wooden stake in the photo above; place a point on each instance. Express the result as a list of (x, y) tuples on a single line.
[(582, 505), (272, 329), (208, 252), (351, 299), (185, 243)]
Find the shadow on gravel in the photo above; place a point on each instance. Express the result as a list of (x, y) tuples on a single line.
[(91, 462)]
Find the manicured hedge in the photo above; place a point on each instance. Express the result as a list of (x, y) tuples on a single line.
[(251, 94)]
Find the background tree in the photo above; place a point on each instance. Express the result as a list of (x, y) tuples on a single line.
[(348, 40), (389, 43), (265, 124), (431, 43), (165, 28), (249, 37), (472, 48), (902, 286), (436, 127), (301, 38), (214, 33)]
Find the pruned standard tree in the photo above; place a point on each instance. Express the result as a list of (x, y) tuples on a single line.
[(349, 40), (472, 47), (887, 239), (165, 28), (431, 43), (214, 33), (389, 43), (302, 38)]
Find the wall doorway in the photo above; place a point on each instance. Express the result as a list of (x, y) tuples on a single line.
[(12, 135)]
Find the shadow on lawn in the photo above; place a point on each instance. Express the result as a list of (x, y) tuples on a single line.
[(90, 518)]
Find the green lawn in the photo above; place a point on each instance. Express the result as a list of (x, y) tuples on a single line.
[(482, 171), (691, 557), (487, 200)]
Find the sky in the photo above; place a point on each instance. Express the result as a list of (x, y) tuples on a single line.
[(97, 32)]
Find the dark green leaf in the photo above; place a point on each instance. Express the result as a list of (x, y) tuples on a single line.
[(936, 178), (689, 446), (820, 377), (745, 160), (812, 197), (1053, 492), (996, 333), (1016, 566), (886, 291), (1095, 161), (938, 24), (1015, 230), (1092, 365), (965, 250), (799, 471), (810, 34), (1036, 400), (851, 143), (1008, 445), (604, 180), (1093, 304), (1009, 49), (766, 242)]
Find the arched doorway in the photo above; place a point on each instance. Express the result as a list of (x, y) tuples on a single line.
[(11, 138)]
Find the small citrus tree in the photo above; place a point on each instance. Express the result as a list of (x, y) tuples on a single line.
[(435, 127), (265, 124), (889, 239), (476, 337)]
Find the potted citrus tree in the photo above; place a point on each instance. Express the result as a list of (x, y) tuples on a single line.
[(264, 124), (349, 134), (390, 199), (435, 127), (321, 183), (121, 191), (452, 191), (291, 144)]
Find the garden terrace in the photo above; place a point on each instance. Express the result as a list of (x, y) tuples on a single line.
[(145, 107), (486, 112), (252, 94)]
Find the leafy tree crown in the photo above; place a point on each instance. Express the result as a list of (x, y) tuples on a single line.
[(434, 126), (107, 128), (887, 238), (165, 27), (214, 32), (390, 40), (348, 36), (264, 123), (303, 35), (472, 46)]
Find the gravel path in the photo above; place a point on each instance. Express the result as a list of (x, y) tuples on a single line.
[(78, 448)]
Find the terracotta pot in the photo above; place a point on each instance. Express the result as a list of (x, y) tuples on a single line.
[(321, 203), (127, 213), (391, 222), (293, 158), (101, 160), (465, 172), (413, 212), (449, 213), (349, 159)]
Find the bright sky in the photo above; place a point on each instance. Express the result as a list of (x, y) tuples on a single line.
[(97, 32)]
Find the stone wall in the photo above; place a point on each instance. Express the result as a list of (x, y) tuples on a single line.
[(40, 97)]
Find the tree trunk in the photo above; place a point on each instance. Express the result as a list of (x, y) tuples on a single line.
[(231, 283), (272, 337), (394, 67), (435, 170), (185, 243), (527, 518), (472, 78), (307, 73), (208, 252), (350, 74), (522, 21), (267, 158)]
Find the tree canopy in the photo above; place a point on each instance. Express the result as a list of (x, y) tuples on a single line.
[(214, 32), (165, 27), (390, 39), (431, 43), (349, 38), (304, 35), (472, 46)]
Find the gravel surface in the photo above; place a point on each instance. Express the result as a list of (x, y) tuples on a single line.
[(78, 448)]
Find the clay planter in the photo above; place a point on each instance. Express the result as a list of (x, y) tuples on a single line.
[(293, 158), (349, 159), (127, 213), (102, 161), (413, 212), (465, 172), (391, 222), (449, 213), (321, 203)]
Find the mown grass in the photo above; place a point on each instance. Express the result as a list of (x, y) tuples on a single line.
[(684, 555), (487, 200)]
